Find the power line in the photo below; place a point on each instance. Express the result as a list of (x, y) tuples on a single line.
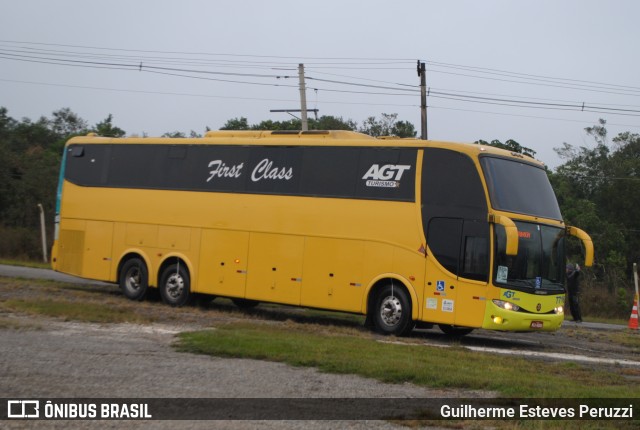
[(528, 75), (574, 87), (524, 103), (181, 72), (105, 58), (293, 58)]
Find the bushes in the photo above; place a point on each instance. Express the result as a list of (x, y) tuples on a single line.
[(599, 300), (20, 243)]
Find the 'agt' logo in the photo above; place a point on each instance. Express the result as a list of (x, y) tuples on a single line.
[(509, 294)]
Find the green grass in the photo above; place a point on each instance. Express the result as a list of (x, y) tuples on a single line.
[(418, 364), (74, 311), (26, 263), (615, 321)]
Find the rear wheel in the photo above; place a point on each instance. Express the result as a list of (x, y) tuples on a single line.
[(175, 285), (134, 279), (392, 311)]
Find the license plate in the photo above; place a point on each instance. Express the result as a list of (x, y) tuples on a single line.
[(536, 324)]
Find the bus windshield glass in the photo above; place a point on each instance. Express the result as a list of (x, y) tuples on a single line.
[(520, 187), (539, 263)]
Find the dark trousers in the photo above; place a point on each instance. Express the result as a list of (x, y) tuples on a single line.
[(574, 304)]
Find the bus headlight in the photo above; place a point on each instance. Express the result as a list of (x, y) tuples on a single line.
[(506, 305), (559, 310)]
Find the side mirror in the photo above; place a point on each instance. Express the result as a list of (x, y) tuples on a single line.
[(586, 242), (511, 231)]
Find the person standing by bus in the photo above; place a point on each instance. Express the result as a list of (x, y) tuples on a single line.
[(573, 287)]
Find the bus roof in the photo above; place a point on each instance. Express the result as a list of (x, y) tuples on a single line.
[(305, 138)]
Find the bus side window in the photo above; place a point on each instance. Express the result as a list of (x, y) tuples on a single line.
[(461, 246), (475, 258), (444, 241)]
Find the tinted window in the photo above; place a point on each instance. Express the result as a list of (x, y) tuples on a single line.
[(349, 172), (454, 213), (475, 251), (520, 187), (451, 186), (444, 241), (461, 247)]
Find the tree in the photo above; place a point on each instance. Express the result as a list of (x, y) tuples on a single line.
[(388, 125), (509, 145), (30, 153), (106, 128), (67, 123), (292, 124), (598, 188), (403, 129), (332, 123), (236, 124), (174, 134)]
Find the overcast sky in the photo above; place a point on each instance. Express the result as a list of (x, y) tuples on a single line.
[(161, 66)]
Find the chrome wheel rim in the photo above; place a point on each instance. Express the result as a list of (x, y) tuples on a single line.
[(132, 279), (391, 311), (175, 286)]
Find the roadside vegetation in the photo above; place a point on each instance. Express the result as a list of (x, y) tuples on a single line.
[(399, 361)]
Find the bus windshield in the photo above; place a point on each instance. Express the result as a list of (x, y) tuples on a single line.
[(520, 187), (539, 263)]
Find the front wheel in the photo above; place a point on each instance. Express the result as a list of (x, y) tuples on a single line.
[(392, 311), (175, 286)]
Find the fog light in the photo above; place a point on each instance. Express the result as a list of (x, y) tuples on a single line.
[(497, 320)]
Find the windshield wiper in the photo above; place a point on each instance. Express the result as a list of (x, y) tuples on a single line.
[(525, 282), (548, 284)]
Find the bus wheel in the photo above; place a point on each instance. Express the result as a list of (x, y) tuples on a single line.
[(452, 330), (134, 279), (175, 285), (245, 303), (392, 311)]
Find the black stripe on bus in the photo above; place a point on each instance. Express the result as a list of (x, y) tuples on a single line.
[(343, 172)]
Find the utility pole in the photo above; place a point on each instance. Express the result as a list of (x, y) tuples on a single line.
[(43, 234), (303, 98), (422, 73)]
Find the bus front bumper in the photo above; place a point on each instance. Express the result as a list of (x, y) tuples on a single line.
[(497, 318)]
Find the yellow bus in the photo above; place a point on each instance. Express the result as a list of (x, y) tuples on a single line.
[(407, 232)]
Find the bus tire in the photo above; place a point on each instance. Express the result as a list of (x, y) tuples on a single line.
[(134, 279), (454, 331), (175, 285), (245, 303), (392, 311)]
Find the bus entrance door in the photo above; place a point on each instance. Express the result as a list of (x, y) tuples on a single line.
[(440, 294)]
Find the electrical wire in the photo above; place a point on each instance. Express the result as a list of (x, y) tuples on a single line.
[(155, 61)]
